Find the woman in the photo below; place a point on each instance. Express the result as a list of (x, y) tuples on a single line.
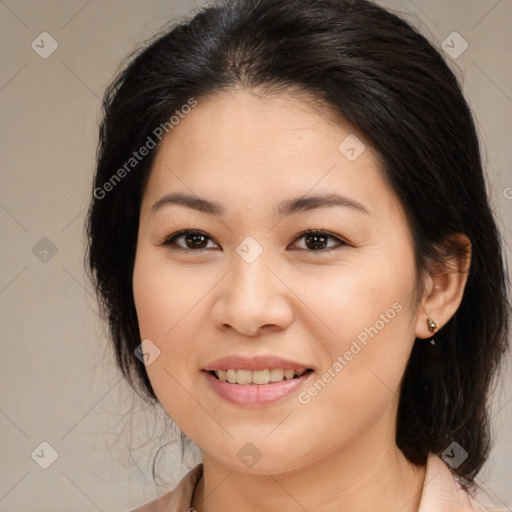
[(292, 242)]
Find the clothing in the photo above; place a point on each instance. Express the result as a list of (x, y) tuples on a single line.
[(441, 493)]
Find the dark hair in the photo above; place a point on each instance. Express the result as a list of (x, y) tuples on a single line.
[(382, 76)]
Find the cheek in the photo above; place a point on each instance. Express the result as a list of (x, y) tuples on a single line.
[(370, 323), (362, 363), (163, 296), (169, 308)]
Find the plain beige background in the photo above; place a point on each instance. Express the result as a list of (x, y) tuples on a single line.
[(58, 381)]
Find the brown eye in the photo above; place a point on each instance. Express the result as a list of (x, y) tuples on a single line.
[(314, 241), (192, 239), (318, 241)]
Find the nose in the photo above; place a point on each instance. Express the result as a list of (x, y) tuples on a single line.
[(253, 299)]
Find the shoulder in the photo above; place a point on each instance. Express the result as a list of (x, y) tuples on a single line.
[(442, 491), (179, 498)]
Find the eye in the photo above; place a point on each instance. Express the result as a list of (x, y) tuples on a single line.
[(193, 240), (315, 241)]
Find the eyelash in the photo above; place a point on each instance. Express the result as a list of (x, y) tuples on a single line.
[(170, 241)]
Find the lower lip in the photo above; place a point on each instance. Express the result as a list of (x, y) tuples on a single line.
[(255, 395)]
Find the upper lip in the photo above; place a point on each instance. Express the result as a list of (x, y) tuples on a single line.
[(254, 363)]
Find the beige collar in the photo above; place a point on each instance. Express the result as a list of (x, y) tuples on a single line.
[(442, 492)]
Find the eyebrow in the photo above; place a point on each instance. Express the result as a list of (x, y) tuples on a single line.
[(285, 208)]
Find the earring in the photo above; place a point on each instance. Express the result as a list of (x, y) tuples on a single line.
[(432, 327)]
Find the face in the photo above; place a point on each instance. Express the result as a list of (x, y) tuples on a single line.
[(296, 284)]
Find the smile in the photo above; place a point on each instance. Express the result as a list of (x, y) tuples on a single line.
[(260, 377), (255, 389)]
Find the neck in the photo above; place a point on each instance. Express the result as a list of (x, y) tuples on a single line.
[(363, 476)]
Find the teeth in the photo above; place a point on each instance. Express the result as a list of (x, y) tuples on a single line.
[(243, 376), (258, 376), (276, 374), (289, 374)]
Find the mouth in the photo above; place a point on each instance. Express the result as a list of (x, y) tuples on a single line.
[(253, 395), (261, 377), (252, 382)]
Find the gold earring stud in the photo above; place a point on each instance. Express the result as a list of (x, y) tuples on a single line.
[(432, 326)]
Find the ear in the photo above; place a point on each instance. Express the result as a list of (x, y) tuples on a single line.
[(444, 284)]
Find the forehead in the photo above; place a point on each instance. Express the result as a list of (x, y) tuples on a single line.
[(241, 145), (246, 122)]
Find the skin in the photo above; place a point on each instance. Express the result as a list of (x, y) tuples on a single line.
[(338, 452)]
